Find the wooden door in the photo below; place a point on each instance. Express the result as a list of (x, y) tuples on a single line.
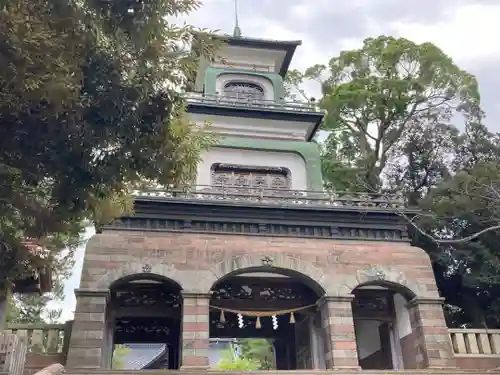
[(303, 345)]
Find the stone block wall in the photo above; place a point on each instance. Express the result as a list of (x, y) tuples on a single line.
[(195, 334), (339, 326), (86, 343), (431, 337), (196, 261), (338, 266)]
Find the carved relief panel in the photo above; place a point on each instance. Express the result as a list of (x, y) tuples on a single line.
[(248, 178)]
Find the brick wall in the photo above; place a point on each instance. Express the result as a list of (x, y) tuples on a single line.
[(336, 264), (195, 333), (197, 261)]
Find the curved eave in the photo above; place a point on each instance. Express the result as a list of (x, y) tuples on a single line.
[(261, 113), (276, 45)]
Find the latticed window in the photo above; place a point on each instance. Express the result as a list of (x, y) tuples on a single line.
[(251, 178), (244, 91)]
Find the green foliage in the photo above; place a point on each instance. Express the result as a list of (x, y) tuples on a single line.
[(12, 311), (454, 178), (255, 354), (118, 353), (377, 95), (392, 112), (34, 308), (259, 350), (90, 105), (230, 363)]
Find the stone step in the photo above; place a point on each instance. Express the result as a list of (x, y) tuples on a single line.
[(291, 372)]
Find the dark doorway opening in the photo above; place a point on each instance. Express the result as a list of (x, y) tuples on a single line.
[(277, 308), (144, 324), (374, 323)]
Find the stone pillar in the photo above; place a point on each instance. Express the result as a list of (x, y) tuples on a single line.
[(195, 331), (87, 336), (431, 337), (340, 346)]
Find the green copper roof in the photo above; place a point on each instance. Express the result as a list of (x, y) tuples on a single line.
[(263, 43)]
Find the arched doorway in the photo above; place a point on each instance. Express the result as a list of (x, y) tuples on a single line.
[(268, 305), (144, 323), (382, 326)]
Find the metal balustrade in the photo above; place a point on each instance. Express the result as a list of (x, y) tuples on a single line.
[(273, 196), (247, 102)]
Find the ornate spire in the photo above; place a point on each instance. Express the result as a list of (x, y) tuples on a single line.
[(237, 30)]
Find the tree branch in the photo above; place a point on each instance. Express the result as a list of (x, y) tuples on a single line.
[(449, 242)]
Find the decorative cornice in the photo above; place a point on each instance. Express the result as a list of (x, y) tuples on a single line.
[(425, 301), (344, 298), (246, 227), (229, 212)]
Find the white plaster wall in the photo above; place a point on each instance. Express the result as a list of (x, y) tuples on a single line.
[(254, 127), (367, 337), (232, 55), (263, 82), (403, 323), (256, 158)]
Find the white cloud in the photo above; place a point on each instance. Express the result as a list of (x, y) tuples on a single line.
[(467, 33), (302, 11)]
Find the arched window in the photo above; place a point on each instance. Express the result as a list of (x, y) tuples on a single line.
[(244, 91)]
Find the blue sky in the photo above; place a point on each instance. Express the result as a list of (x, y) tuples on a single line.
[(466, 30)]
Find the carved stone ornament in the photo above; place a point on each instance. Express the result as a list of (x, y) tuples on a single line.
[(268, 262), (374, 272)]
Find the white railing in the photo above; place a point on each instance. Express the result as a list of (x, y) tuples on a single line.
[(475, 342), (246, 102), (41, 338)]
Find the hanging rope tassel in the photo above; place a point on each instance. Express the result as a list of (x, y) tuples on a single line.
[(222, 317), (292, 318), (257, 323)]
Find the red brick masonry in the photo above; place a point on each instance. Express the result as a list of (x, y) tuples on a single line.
[(197, 261)]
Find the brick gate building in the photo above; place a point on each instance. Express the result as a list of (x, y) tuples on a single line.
[(257, 248)]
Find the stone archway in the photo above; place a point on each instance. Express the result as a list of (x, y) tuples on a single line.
[(139, 268), (384, 274), (271, 287), (277, 263)]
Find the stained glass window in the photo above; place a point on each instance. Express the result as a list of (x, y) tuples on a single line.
[(243, 91)]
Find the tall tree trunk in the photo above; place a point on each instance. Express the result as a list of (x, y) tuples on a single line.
[(3, 310)]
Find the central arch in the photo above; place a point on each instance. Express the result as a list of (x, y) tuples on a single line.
[(278, 264), (269, 301)]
